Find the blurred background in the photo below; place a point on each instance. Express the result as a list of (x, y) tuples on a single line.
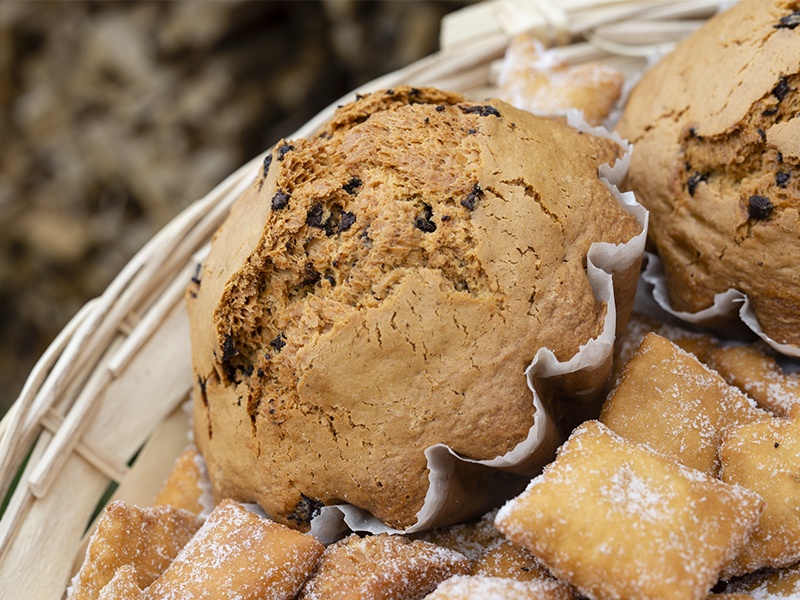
[(115, 116)]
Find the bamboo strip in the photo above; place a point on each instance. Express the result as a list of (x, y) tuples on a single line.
[(115, 471), (68, 434), (20, 503), (15, 435)]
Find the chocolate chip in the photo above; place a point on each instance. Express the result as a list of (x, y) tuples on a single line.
[(789, 21), (483, 110), (472, 197), (305, 510), (769, 112), (228, 348), (278, 343), (314, 216), (780, 90), (761, 133), (310, 274), (351, 186), (346, 221), (283, 149), (440, 108), (694, 181), (777, 444), (260, 373), (424, 222), (201, 383), (759, 207), (267, 163), (472, 131), (782, 179), (331, 279), (280, 200), (197, 271), (446, 218)]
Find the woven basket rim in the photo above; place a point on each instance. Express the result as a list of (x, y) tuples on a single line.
[(62, 423)]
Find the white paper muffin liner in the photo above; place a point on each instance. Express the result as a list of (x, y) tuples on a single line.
[(449, 473), (722, 314)]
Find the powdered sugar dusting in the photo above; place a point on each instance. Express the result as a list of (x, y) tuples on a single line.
[(499, 588), (382, 566), (629, 493), (237, 554), (615, 519)]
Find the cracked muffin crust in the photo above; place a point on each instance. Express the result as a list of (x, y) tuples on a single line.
[(381, 288), (716, 162)]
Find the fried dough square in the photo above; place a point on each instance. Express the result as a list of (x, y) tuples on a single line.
[(472, 539), (122, 586), (699, 344), (381, 567), (765, 457), (147, 539), (238, 554), (615, 519), (759, 375), (544, 83), (462, 587), (511, 561), (187, 485), (669, 400)]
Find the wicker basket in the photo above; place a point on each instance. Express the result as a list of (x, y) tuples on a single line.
[(102, 409)]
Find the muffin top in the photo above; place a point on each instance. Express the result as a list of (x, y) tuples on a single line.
[(382, 288), (716, 162)]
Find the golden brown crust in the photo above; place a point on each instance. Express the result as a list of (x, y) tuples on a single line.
[(618, 520), (511, 562), (716, 163), (382, 289), (184, 487), (122, 586), (542, 82), (144, 539), (500, 588), (666, 399), (239, 554), (758, 374), (763, 457), (381, 567)]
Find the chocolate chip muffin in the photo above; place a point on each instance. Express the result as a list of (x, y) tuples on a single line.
[(716, 159), (382, 288)]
